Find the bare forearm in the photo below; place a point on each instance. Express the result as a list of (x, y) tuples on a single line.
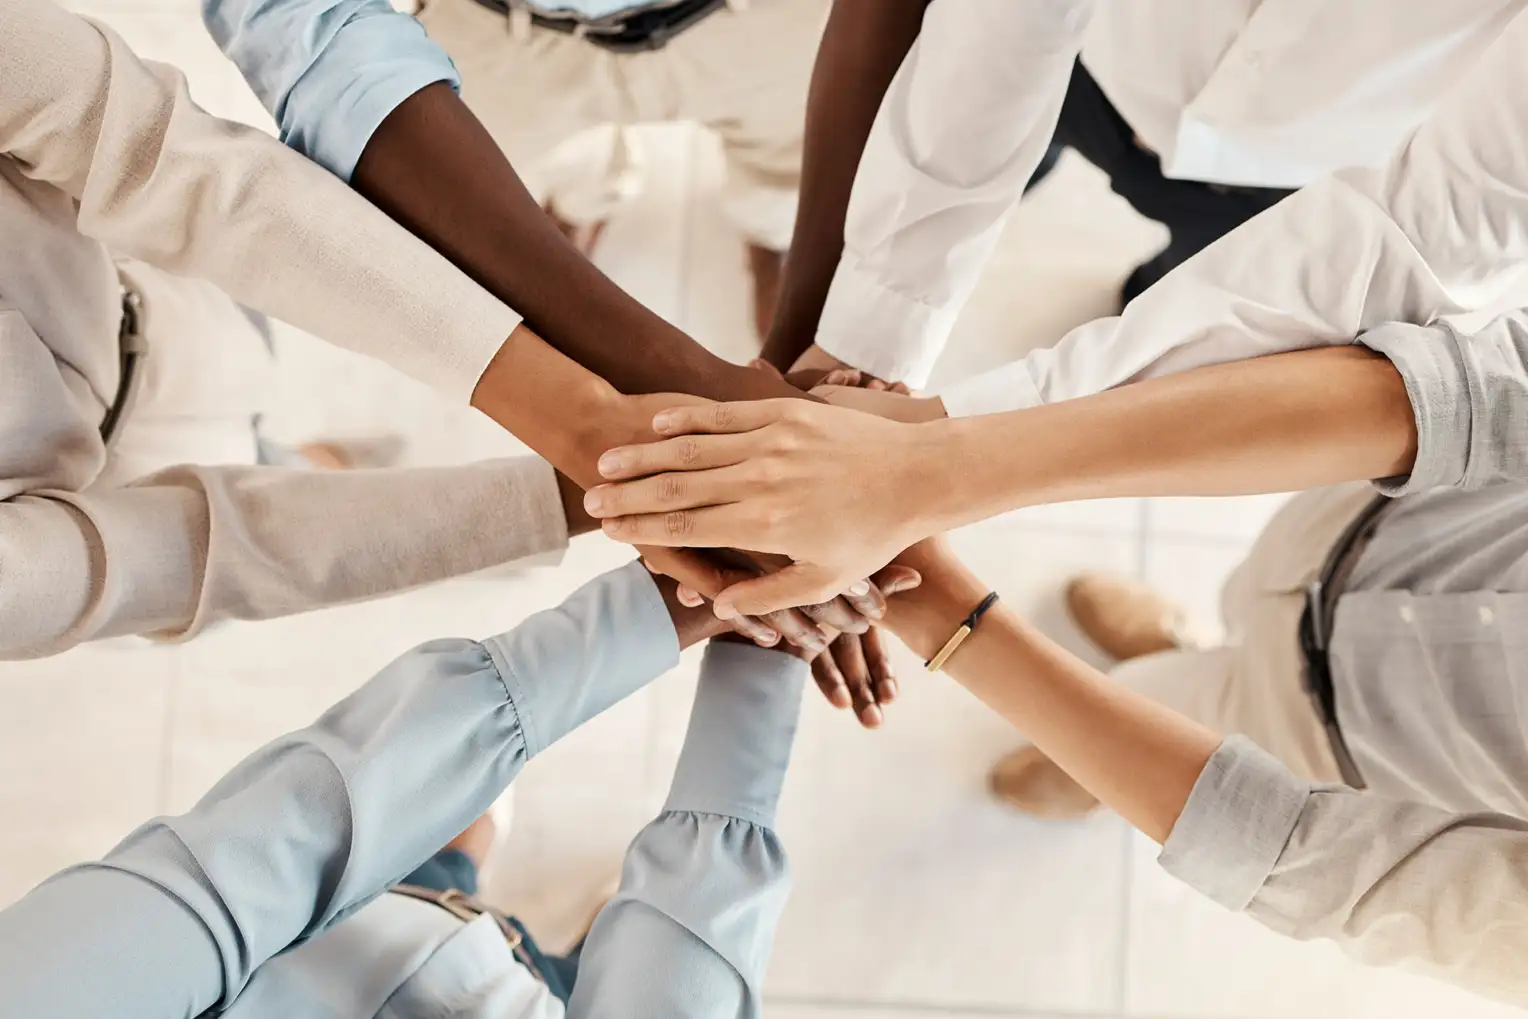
[(864, 44), (1275, 424), (1137, 757), (436, 170)]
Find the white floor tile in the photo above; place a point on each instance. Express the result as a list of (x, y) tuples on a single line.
[(82, 739), (911, 884), (718, 290), (1191, 572), (1233, 517)]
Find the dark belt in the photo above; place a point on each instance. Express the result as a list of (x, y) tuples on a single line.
[(1321, 598), (131, 349), (638, 32)]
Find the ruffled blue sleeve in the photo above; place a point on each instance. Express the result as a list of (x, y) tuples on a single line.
[(310, 828), (689, 933)]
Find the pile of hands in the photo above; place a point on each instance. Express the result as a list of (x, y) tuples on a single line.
[(821, 541)]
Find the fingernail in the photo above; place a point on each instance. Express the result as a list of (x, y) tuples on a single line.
[(613, 461), (841, 699), (871, 717), (889, 689), (663, 421), (594, 500), (858, 588), (725, 610), (769, 638)]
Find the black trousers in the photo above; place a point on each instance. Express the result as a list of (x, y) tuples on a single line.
[(1195, 213)]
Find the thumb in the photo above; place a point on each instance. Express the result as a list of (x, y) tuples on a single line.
[(759, 364), (798, 584)]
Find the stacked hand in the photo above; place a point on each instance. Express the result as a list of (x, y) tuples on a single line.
[(838, 491)]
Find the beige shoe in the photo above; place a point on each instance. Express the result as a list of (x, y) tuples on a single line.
[(1124, 617), (1028, 781)]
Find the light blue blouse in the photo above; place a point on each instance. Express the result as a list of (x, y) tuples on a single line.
[(248, 902)]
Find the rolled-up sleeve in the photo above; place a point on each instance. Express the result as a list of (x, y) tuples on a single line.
[(1469, 394), (329, 71), (689, 934), (310, 828), (1393, 883), (963, 126)]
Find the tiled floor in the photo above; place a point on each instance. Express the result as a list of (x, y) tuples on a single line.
[(915, 895)]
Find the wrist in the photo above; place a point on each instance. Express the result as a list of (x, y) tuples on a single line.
[(925, 617)]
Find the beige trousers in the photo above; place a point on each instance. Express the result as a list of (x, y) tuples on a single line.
[(205, 377), (741, 73), (1254, 684)]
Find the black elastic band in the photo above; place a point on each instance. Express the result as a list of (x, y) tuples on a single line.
[(980, 610)]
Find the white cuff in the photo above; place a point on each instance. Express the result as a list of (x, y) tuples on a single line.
[(1007, 387), (876, 328)]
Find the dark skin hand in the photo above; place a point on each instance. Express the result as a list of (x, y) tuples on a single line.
[(437, 171), (432, 167), (863, 45)]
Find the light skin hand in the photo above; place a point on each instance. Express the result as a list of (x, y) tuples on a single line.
[(835, 490), (1136, 756)]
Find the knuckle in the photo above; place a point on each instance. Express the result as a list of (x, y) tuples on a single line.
[(678, 523), (670, 488), (722, 416), (689, 451)]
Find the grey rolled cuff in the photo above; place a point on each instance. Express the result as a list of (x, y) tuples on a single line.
[(1236, 824), (741, 732), (1470, 398)]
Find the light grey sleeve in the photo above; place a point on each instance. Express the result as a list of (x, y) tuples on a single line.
[(1392, 883), (1470, 396), (312, 827)]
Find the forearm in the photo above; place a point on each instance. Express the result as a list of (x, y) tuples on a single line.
[(863, 45), (689, 933), (1276, 424), (1137, 757), (435, 169)]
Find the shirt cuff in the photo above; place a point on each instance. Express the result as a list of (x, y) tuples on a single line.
[(873, 327), (359, 79), (741, 731), (1432, 366), (1009, 387), (566, 665), (1235, 825)]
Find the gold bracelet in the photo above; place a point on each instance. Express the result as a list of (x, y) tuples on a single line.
[(966, 628)]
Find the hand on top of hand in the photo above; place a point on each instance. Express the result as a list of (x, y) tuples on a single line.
[(839, 492), (855, 671)]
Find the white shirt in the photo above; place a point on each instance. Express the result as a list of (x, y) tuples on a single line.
[(1274, 93)]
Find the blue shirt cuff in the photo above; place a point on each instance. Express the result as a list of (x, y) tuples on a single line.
[(741, 731), (610, 639)]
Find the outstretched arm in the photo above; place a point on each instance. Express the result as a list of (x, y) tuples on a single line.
[(1391, 882), (176, 919), (760, 472)]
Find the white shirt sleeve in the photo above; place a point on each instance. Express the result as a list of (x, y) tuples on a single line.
[(963, 126), (157, 178), (1442, 228)]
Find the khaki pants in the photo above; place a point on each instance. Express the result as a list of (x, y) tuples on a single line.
[(742, 74), (205, 378), (1254, 684)]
